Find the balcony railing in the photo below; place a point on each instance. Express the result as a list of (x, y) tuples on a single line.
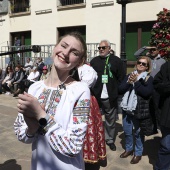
[(45, 53), (70, 2)]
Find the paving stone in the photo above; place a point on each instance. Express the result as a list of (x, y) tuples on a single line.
[(15, 155)]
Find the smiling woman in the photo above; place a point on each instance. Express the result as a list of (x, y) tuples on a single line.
[(54, 113), (137, 85), (143, 64)]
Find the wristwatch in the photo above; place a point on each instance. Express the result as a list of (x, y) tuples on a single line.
[(43, 121)]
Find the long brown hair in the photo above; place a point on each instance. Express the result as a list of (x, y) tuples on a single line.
[(11, 70)]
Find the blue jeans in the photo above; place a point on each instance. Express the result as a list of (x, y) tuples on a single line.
[(130, 123), (163, 161)]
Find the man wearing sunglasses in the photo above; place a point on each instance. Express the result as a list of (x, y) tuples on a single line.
[(110, 73), (156, 59)]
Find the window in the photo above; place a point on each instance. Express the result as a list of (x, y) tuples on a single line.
[(71, 2), (19, 6), (137, 36)]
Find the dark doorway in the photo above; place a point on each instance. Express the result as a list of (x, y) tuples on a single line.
[(25, 40)]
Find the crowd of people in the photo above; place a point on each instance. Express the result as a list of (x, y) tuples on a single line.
[(17, 80), (62, 109)]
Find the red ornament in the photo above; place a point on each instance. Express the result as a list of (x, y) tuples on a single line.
[(160, 35), (156, 36), (165, 10), (162, 45), (168, 36)]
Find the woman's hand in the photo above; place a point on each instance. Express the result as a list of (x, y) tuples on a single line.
[(29, 106), (132, 78)]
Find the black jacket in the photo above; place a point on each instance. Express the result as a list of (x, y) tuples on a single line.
[(162, 85), (142, 88), (40, 67), (144, 111), (17, 76), (116, 68)]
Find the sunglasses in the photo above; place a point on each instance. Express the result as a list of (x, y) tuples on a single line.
[(103, 47), (143, 64)]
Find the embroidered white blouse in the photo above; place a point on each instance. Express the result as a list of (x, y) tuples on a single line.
[(61, 147)]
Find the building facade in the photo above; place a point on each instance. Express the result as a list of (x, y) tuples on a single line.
[(41, 22)]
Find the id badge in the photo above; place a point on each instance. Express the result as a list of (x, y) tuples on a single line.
[(104, 79)]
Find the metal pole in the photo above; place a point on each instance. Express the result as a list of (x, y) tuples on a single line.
[(35, 49), (123, 37)]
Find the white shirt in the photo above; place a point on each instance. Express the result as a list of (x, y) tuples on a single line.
[(33, 76), (61, 147), (104, 94), (28, 64)]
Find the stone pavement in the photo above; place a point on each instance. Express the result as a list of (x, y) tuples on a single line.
[(15, 155)]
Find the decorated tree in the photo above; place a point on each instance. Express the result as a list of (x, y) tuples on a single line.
[(160, 33)]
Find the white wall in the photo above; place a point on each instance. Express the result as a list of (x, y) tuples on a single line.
[(101, 22)]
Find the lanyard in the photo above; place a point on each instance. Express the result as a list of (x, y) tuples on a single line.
[(106, 63)]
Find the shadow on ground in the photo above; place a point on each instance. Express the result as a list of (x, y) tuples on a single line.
[(119, 129), (96, 166), (103, 163), (10, 165), (151, 147)]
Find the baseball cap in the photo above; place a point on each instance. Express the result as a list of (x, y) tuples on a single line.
[(45, 68)]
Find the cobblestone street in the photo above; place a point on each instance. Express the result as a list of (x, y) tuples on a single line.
[(15, 155)]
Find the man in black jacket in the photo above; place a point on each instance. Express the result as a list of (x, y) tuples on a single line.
[(110, 73), (162, 85)]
